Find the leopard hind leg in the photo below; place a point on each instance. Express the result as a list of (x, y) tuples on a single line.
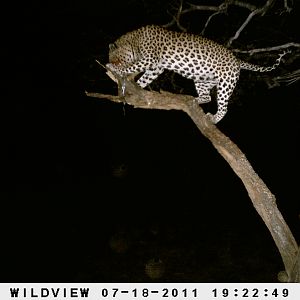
[(225, 89), (203, 89)]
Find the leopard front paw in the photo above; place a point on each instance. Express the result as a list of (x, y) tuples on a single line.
[(203, 99)]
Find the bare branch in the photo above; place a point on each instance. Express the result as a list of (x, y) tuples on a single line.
[(192, 7), (257, 11), (243, 5), (287, 79), (176, 18), (100, 64), (263, 200), (221, 9), (287, 7), (238, 32), (209, 19), (268, 49)]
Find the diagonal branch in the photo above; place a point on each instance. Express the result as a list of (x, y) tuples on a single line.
[(257, 11), (262, 199)]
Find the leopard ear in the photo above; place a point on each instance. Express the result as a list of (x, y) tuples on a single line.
[(112, 47)]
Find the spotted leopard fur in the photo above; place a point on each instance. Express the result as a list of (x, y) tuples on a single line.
[(152, 49)]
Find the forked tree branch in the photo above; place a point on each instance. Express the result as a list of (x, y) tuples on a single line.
[(223, 9), (258, 11), (263, 200)]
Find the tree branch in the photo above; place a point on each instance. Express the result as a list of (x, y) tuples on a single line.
[(257, 11), (287, 79), (223, 8), (262, 199), (268, 49)]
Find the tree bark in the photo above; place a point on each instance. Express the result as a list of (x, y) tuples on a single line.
[(263, 200)]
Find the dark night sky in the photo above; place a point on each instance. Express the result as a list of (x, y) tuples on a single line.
[(62, 151)]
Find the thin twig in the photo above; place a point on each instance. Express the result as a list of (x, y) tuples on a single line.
[(210, 18), (268, 49)]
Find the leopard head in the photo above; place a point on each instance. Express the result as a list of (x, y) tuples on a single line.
[(123, 52)]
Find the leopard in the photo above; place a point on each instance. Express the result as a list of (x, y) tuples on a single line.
[(152, 49)]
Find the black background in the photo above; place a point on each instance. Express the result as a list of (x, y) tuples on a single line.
[(62, 200)]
